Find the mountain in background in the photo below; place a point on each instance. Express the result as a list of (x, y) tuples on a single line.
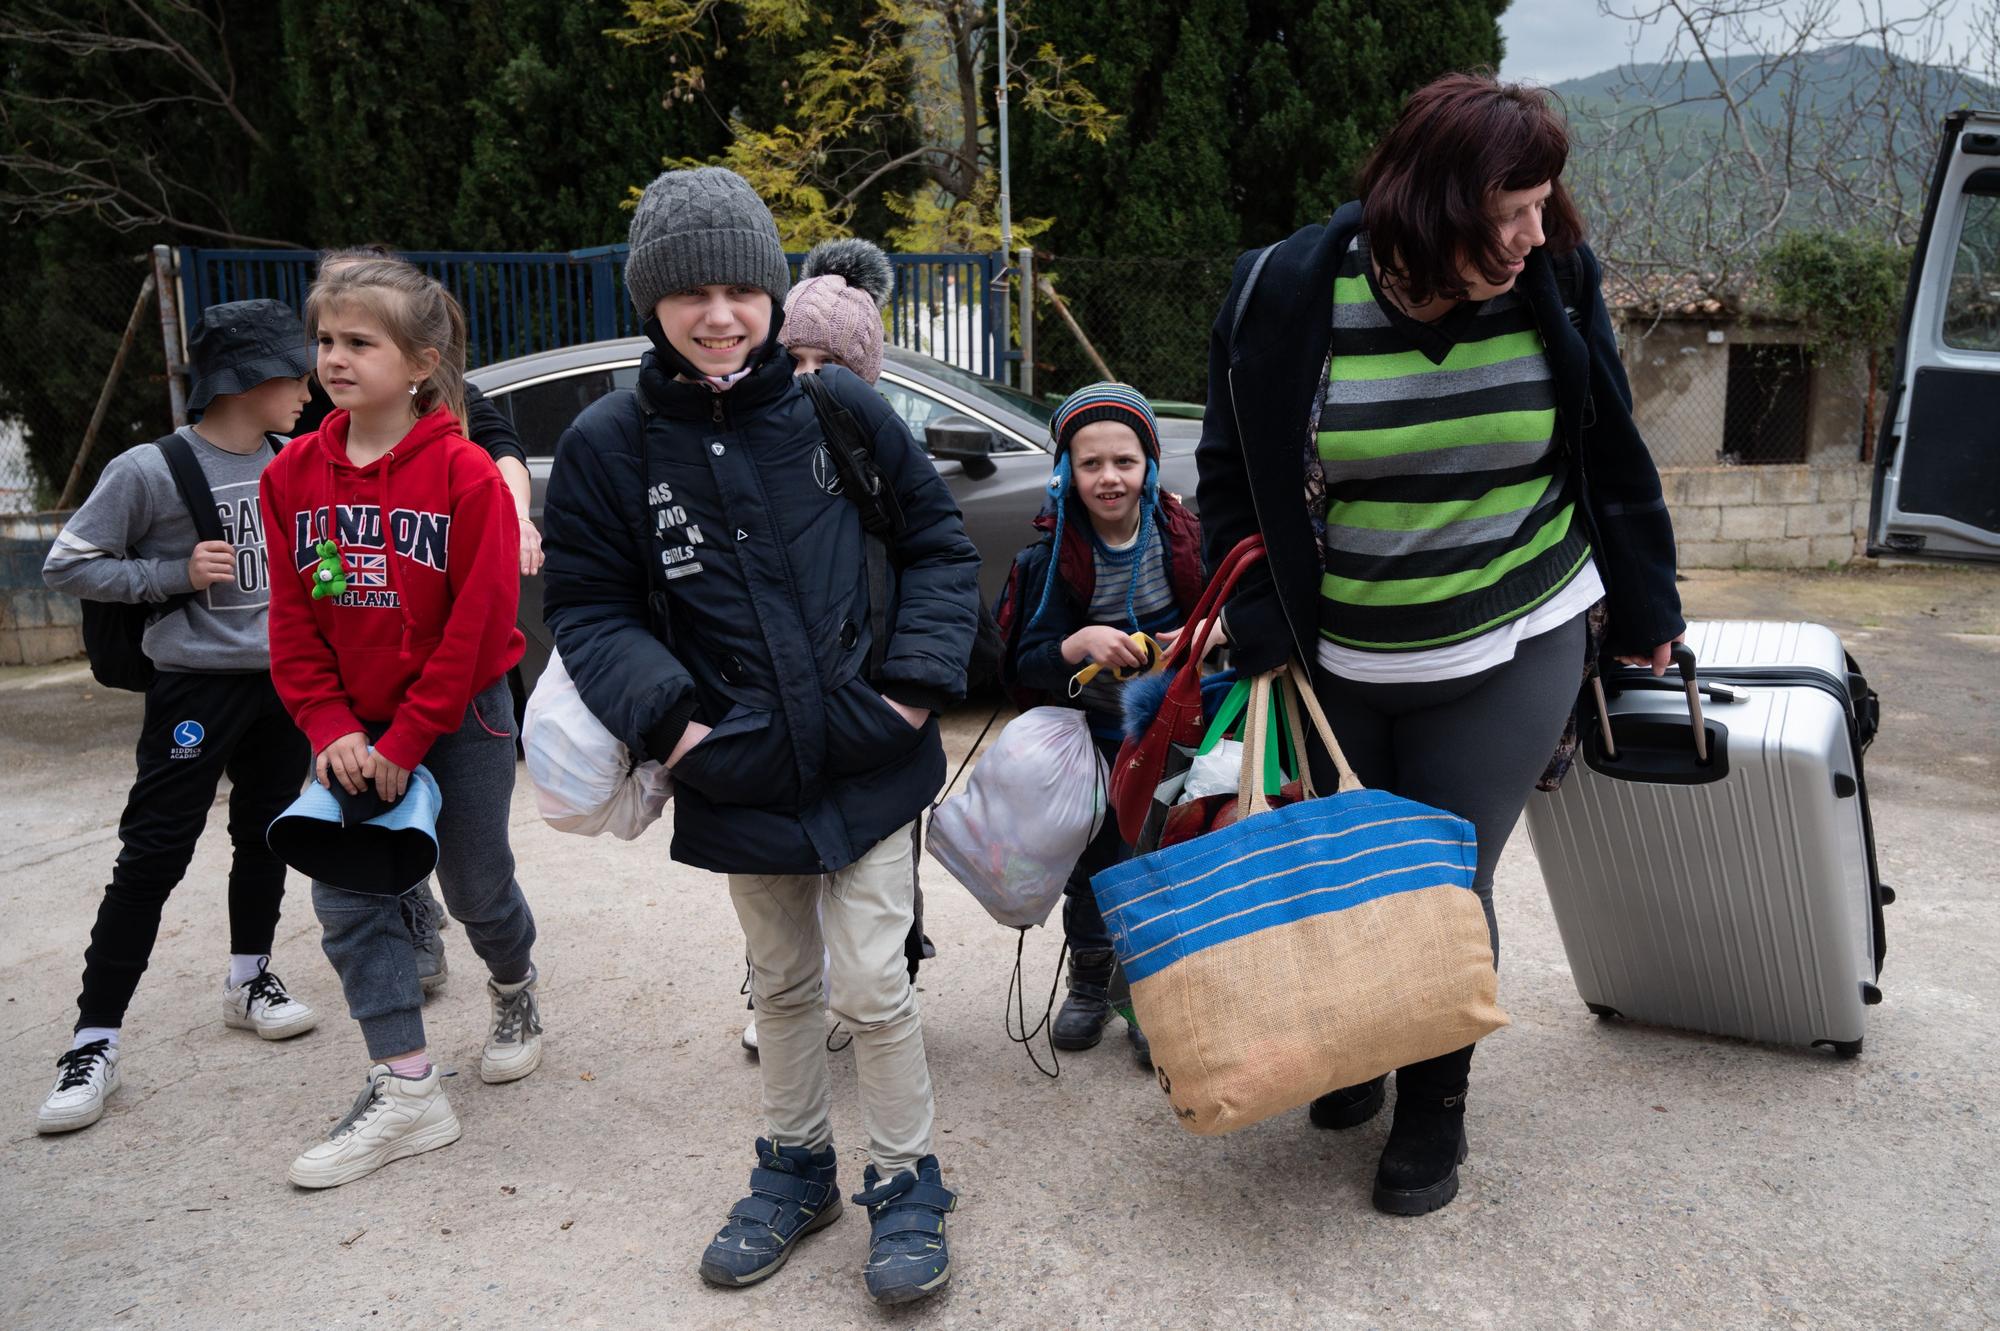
[(1844, 138), (1831, 78)]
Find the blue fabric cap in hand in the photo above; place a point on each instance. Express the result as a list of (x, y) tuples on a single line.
[(385, 853)]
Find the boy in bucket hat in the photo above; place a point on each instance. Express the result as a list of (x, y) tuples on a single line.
[(803, 751), (210, 708)]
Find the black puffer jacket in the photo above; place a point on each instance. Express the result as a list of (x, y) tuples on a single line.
[(733, 515)]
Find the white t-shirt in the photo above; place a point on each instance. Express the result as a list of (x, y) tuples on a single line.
[(1459, 659)]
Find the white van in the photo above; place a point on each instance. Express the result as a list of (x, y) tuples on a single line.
[(1937, 464)]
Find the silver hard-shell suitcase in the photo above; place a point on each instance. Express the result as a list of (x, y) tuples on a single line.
[(1711, 864)]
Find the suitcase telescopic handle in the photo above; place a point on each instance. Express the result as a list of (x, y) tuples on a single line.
[(1684, 662)]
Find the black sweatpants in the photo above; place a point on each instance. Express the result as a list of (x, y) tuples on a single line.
[(197, 728), (1473, 746), (1083, 922)]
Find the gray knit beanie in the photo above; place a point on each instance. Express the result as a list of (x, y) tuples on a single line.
[(700, 228)]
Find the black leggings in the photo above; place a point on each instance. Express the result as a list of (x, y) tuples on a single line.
[(1473, 746)]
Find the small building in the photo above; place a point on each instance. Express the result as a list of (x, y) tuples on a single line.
[(1760, 449)]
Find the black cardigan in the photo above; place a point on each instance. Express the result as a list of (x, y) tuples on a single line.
[(1261, 393)]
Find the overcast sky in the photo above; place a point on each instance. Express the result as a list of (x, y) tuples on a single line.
[(1552, 40)]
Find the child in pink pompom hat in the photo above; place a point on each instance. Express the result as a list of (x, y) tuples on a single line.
[(834, 313)]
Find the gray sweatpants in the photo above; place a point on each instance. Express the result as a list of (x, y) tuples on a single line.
[(364, 935), (1473, 746)]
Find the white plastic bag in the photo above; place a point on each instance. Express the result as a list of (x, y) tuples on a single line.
[(584, 778), (1217, 772), (1032, 804)]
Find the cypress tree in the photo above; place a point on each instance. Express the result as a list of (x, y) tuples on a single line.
[(1244, 119)]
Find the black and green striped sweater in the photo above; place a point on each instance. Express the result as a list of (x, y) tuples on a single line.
[(1450, 507)]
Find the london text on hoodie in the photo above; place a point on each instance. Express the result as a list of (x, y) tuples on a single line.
[(429, 546)]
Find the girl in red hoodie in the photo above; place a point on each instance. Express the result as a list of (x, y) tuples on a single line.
[(408, 664)]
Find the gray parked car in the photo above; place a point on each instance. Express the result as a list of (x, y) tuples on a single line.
[(990, 443)]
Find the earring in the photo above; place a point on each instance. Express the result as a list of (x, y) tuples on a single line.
[(413, 390)]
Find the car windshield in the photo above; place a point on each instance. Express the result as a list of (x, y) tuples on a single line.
[(985, 390)]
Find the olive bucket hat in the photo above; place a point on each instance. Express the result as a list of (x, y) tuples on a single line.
[(239, 344)]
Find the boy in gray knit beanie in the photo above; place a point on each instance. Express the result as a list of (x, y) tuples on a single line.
[(761, 557), (706, 262)]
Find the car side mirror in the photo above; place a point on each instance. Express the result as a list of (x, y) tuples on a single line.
[(960, 439)]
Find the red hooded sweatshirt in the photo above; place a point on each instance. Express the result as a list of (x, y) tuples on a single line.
[(431, 549)]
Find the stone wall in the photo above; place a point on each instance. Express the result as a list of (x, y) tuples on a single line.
[(36, 625), (1768, 517)]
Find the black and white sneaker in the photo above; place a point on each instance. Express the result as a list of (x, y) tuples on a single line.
[(86, 1077), (261, 1004)]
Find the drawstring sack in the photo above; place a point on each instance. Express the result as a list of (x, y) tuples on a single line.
[(1030, 808)]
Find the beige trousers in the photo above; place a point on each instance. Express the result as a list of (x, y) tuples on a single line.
[(853, 924)]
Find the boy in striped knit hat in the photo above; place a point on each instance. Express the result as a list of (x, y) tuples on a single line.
[(1116, 555)]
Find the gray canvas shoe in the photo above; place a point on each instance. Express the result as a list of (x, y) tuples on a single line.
[(426, 921)]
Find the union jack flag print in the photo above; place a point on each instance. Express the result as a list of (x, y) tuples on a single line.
[(368, 570)]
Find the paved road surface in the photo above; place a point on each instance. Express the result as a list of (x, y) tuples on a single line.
[(1620, 1176)]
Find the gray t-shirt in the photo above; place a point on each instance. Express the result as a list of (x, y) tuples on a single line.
[(131, 541)]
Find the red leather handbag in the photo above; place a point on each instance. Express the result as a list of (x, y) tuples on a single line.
[(1142, 762)]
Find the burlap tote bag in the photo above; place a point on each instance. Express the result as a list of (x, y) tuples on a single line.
[(1305, 948)]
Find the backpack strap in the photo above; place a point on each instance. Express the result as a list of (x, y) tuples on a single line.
[(641, 415), (1249, 285), (1571, 287), (1569, 283), (882, 521), (854, 458), (192, 483)]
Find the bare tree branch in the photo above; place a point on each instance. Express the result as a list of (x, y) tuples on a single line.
[(65, 152), (1762, 116), (38, 187)]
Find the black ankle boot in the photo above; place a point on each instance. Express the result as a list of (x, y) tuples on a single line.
[(1419, 1169), (1081, 1021), (1350, 1106)]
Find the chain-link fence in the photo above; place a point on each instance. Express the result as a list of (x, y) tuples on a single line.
[(59, 335), (1143, 321), (1707, 391)]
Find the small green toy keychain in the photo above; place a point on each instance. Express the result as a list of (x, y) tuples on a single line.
[(329, 579)]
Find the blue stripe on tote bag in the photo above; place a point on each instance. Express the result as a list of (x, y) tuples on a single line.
[(1305, 948)]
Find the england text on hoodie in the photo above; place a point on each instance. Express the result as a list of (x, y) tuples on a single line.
[(428, 546)]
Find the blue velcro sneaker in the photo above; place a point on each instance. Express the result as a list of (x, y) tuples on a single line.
[(793, 1192), (907, 1256)]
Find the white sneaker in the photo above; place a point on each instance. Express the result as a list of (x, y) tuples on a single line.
[(261, 1004), (88, 1076), (750, 1035), (392, 1119), (514, 1049)]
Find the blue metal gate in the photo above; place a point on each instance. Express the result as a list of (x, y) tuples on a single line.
[(521, 303)]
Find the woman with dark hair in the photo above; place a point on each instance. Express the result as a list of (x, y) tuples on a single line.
[(1420, 406)]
